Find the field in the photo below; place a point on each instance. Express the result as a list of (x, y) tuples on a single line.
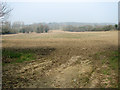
[(60, 59)]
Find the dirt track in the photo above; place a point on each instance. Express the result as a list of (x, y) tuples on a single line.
[(71, 65)]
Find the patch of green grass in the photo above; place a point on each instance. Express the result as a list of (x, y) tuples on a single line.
[(113, 59), (25, 57), (97, 55), (21, 58), (106, 72), (13, 56), (110, 78), (19, 55), (103, 61), (114, 85)]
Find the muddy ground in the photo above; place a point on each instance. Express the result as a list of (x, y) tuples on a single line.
[(72, 61)]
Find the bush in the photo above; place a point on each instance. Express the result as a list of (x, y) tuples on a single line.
[(42, 29)]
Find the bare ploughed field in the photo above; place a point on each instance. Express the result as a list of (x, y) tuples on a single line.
[(60, 59)]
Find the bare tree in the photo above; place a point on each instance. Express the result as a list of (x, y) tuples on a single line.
[(4, 14), (4, 9)]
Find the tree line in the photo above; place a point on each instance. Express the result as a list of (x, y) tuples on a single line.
[(19, 27), (72, 28)]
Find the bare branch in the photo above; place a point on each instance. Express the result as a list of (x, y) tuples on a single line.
[(4, 9)]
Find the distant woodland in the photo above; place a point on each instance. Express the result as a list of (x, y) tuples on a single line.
[(20, 27)]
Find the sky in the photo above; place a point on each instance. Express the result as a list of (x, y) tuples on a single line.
[(64, 11)]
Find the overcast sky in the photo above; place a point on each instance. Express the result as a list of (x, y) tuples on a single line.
[(64, 11)]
